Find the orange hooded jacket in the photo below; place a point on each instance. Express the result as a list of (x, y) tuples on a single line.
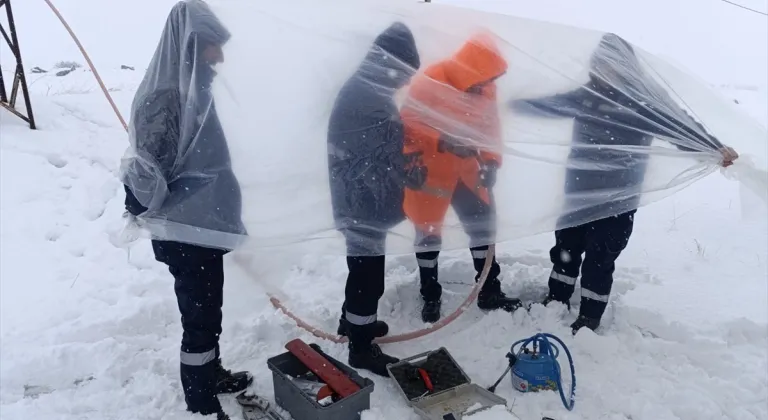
[(456, 96)]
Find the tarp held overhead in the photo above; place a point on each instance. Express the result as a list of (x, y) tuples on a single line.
[(432, 126)]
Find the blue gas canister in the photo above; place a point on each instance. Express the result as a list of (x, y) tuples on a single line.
[(537, 369), (535, 372)]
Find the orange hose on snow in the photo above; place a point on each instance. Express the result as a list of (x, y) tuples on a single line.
[(317, 332)]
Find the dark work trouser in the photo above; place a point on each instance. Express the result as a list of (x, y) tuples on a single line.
[(199, 284), (600, 242), (478, 220), (365, 281)]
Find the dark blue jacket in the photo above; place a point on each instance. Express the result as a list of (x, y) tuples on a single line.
[(182, 171), (367, 168), (604, 113)]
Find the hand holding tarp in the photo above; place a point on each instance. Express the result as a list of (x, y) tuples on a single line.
[(729, 156)]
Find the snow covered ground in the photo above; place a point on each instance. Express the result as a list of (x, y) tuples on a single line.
[(91, 332)]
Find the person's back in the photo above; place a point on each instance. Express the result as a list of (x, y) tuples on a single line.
[(365, 137), (368, 172), (364, 142), (604, 133)]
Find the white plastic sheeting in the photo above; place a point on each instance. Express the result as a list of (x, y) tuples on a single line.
[(380, 126)]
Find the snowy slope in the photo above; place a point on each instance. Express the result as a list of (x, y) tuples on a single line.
[(91, 331)]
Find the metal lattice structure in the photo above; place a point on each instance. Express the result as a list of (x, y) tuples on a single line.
[(19, 79)]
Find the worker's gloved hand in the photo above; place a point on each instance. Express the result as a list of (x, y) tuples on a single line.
[(414, 172), (729, 156), (488, 172), (448, 144), (416, 177), (131, 231)]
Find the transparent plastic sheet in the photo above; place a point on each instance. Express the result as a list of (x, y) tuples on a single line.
[(364, 128), (178, 167)]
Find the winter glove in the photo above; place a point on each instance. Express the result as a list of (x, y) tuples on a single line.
[(488, 173), (447, 144), (130, 232), (414, 172), (416, 177)]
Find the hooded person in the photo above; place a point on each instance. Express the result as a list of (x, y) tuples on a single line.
[(621, 107), (368, 173), (451, 120), (178, 170)]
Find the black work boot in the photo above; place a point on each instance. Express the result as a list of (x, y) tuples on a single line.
[(380, 328), (492, 298), (584, 321), (430, 313), (228, 382), (551, 298), (364, 353)]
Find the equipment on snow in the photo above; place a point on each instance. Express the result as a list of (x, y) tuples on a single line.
[(436, 387), (257, 408), (320, 366), (538, 369), (311, 385), (421, 373)]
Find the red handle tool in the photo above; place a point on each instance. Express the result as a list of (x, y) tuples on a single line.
[(427, 381), (325, 370)]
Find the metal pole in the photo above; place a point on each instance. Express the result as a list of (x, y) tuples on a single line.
[(19, 79)]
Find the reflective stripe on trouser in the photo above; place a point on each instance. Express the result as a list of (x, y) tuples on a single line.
[(364, 288), (425, 262), (588, 294), (199, 283), (601, 242), (197, 359), (431, 290), (360, 319), (566, 262), (554, 275), (428, 271), (479, 254)]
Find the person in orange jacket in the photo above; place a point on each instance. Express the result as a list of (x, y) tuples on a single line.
[(451, 120)]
